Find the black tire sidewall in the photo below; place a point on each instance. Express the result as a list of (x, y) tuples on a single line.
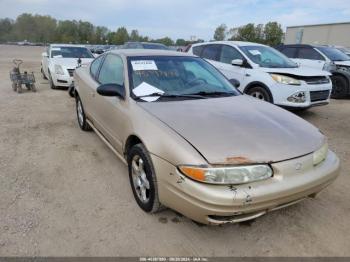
[(52, 86), (84, 126), (140, 150), (342, 90)]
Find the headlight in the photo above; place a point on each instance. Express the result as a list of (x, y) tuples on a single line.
[(59, 70), (282, 79), (329, 66), (320, 155), (227, 175)]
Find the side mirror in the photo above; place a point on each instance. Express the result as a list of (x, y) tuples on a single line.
[(111, 90), (235, 83), (44, 54), (237, 62)]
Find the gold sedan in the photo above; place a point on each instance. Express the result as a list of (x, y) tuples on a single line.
[(195, 144)]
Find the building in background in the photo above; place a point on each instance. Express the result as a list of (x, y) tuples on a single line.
[(337, 34)]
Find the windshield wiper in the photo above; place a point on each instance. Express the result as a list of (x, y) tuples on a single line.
[(215, 93), (196, 96)]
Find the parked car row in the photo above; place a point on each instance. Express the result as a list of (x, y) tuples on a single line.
[(192, 142)]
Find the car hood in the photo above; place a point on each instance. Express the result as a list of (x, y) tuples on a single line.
[(298, 71), (70, 62), (342, 63), (240, 129)]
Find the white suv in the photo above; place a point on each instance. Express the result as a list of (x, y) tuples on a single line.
[(267, 74), (59, 62)]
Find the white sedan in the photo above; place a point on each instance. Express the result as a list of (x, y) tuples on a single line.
[(59, 62)]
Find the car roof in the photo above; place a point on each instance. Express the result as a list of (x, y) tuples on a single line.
[(148, 52), (235, 43), (66, 45)]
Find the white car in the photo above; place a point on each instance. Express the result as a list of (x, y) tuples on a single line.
[(267, 74), (326, 58), (59, 62)]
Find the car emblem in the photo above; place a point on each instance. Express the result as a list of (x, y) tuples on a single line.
[(298, 166)]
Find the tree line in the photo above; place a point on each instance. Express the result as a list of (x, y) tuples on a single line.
[(268, 34), (46, 29)]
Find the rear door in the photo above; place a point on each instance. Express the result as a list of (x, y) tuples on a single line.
[(309, 57), (221, 57)]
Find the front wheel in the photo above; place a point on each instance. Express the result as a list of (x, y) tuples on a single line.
[(340, 86), (83, 124), (143, 179), (52, 85), (43, 74), (260, 93)]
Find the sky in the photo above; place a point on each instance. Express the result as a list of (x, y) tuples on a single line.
[(183, 18)]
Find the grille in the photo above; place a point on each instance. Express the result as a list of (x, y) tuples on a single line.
[(70, 71), (316, 80), (319, 95)]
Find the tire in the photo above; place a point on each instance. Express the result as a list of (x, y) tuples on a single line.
[(52, 85), (19, 88), (260, 93), (71, 91), (33, 87), (43, 74), (143, 179), (340, 86), (14, 86), (83, 124)]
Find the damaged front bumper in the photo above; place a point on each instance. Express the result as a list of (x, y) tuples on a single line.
[(293, 181)]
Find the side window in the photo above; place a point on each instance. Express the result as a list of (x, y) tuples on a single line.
[(228, 53), (112, 70), (197, 50), (289, 52), (211, 52), (95, 65), (309, 53)]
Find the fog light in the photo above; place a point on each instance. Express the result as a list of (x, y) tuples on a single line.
[(297, 97)]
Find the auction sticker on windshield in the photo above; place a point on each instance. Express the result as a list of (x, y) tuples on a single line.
[(142, 65)]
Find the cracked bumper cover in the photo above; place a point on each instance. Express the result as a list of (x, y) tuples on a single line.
[(218, 204)]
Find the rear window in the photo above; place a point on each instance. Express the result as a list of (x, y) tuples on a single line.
[(197, 50), (211, 52), (289, 52)]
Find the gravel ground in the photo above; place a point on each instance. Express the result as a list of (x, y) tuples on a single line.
[(64, 193)]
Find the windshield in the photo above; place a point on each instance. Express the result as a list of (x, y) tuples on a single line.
[(333, 53), (154, 46), (70, 52), (268, 57), (174, 77)]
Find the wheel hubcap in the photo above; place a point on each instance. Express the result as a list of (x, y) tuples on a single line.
[(258, 95), (139, 179), (80, 113)]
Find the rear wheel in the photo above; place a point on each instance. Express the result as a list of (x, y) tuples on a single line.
[(143, 179), (83, 124), (14, 86), (340, 86), (19, 88), (260, 93)]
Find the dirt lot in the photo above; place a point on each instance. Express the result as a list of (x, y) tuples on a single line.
[(64, 193)]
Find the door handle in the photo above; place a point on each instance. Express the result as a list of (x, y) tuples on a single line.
[(247, 74)]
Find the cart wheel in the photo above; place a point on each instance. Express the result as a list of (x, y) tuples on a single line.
[(28, 86), (19, 88), (33, 87), (14, 87)]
